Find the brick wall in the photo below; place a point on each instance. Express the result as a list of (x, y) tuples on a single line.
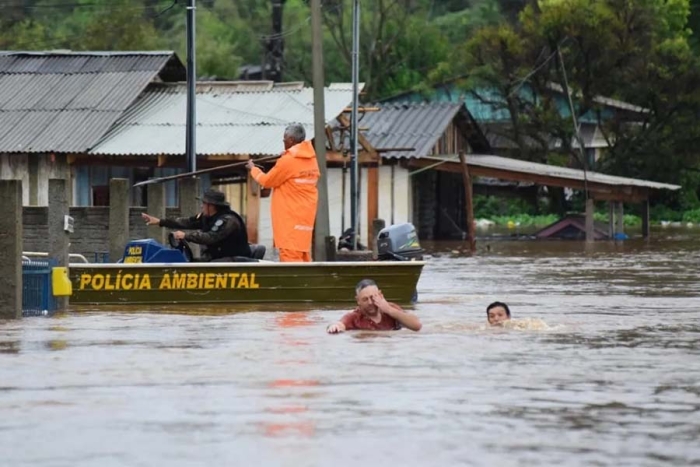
[(91, 225)]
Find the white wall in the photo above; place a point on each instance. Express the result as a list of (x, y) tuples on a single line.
[(50, 169), (16, 167), (402, 202)]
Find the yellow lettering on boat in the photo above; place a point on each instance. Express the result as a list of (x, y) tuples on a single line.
[(108, 283), (165, 282), (98, 281), (179, 281), (134, 250), (233, 276), (132, 259), (169, 281)]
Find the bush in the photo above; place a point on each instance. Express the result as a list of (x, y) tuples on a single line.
[(692, 216)]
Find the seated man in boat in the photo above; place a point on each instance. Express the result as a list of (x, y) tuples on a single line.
[(374, 313), (497, 313), (221, 230)]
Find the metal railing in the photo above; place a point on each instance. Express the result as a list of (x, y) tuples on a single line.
[(41, 254)]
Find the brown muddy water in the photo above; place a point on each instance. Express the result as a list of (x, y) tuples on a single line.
[(613, 379)]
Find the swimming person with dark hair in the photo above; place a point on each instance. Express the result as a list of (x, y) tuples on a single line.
[(497, 313), (374, 313)]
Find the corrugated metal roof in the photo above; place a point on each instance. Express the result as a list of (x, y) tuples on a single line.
[(66, 101), (499, 137), (231, 119), (515, 165), (418, 126)]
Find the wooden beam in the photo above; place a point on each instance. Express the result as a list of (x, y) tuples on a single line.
[(372, 202), (362, 109), (362, 140), (598, 191), (645, 219), (71, 158), (162, 160), (252, 209), (468, 201), (336, 157)]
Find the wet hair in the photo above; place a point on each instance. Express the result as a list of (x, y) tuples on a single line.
[(496, 305), (364, 283), (296, 132)]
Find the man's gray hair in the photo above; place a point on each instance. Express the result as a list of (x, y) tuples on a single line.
[(296, 132), (364, 283)]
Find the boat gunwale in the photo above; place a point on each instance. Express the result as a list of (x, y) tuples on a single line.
[(270, 264)]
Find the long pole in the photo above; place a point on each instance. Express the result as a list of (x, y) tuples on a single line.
[(322, 228), (190, 136), (354, 195)]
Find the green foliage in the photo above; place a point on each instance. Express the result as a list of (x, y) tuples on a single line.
[(489, 207)]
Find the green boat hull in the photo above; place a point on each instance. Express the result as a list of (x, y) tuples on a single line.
[(211, 283)]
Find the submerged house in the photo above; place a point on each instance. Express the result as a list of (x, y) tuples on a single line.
[(56, 106)]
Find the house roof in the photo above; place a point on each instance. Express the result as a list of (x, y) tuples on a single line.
[(516, 166), (240, 117), (417, 126), (487, 105), (66, 101), (499, 136)]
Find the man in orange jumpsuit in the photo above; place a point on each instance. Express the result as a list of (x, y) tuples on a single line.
[(294, 197)]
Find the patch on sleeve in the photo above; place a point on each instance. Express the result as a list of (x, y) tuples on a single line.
[(217, 224)]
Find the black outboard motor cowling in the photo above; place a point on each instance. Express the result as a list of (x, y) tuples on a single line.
[(399, 242)]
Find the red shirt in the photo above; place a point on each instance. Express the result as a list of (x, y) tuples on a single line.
[(356, 320)]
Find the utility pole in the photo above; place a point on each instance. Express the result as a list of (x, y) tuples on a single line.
[(191, 131), (322, 229), (354, 194)]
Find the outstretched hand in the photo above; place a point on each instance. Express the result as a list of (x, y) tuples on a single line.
[(249, 165), (150, 220)]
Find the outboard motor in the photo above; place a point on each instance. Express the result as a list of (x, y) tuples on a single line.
[(399, 242), (150, 251)]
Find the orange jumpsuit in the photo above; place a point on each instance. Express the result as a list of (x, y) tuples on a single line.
[(294, 200)]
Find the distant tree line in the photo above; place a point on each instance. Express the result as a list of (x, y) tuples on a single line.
[(643, 52)]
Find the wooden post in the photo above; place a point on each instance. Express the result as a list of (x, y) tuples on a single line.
[(190, 205), (589, 220), (118, 217), (156, 207), (611, 219), (58, 236), (645, 219), (468, 201), (331, 249), (252, 209), (372, 203), (620, 218), (11, 249)]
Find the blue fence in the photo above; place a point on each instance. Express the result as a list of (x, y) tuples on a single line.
[(37, 295)]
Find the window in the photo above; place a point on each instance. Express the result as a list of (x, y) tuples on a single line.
[(100, 195)]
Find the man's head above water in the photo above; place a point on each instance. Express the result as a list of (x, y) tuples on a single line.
[(497, 313), (366, 292)]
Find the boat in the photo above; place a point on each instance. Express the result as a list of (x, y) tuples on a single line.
[(150, 273)]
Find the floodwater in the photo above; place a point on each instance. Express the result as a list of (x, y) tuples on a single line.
[(613, 379)]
